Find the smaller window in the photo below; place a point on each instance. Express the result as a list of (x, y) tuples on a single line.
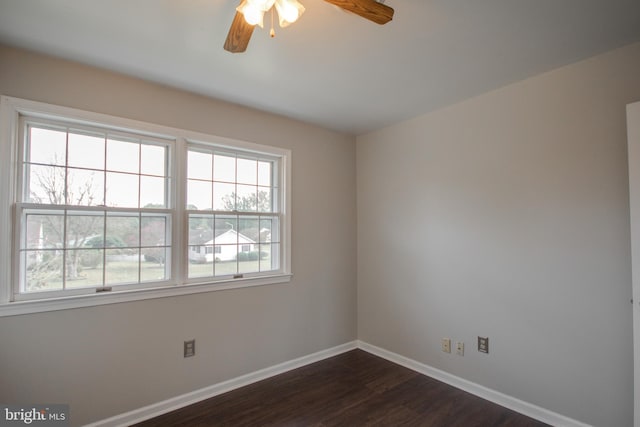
[(235, 202)]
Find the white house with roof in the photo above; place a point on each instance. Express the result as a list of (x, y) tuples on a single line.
[(224, 247)]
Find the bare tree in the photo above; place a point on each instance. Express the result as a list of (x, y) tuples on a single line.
[(248, 204), (54, 186)]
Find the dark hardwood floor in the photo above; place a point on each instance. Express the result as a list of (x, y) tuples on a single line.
[(352, 389)]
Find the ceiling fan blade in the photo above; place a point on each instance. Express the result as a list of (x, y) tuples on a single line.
[(368, 9), (239, 35)]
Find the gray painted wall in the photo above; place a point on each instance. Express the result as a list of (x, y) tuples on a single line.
[(111, 359), (507, 216)]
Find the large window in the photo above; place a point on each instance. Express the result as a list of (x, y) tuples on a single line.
[(105, 206), (232, 204), (93, 209)]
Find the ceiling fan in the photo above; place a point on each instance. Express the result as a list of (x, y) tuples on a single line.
[(250, 13)]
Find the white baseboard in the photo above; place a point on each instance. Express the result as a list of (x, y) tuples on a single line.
[(501, 399), (178, 402)]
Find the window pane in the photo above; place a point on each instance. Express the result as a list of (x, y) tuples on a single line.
[(83, 268), (227, 252), (154, 266), (200, 270), (264, 173), (122, 231), (247, 171), (224, 168), (199, 195), (248, 227), (152, 192), (158, 255), (44, 231), (273, 262), (153, 160), (248, 262), (122, 266), (225, 263), (83, 265), (265, 257), (224, 197), (122, 190), (225, 226), (275, 230), (154, 231), (83, 227), (265, 203), (200, 241), (91, 260), (47, 146), (84, 187), (200, 263), (269, 257), (265, 230), (246, 199), (44, 184), (227, 239), (43, 270), (200, 229), (248, 237), (200, 165), (86, 151), (123, 156)]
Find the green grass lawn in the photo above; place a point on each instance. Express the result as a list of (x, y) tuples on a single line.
[(118, 272)]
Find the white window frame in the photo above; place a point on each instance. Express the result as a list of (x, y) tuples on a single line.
[(31, 207), (11, 109)]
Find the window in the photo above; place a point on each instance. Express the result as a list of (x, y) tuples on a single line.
[(107, 206), (93, 208), (232, 204)]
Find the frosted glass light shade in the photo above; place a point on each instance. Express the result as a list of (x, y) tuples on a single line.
[(252, 11), (288, 11)]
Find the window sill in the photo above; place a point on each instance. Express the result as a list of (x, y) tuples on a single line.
[(65, 303)]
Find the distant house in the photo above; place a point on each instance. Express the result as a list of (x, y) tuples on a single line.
[(223, 247)]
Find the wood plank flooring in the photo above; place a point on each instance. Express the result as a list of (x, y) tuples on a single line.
[(351, 389)]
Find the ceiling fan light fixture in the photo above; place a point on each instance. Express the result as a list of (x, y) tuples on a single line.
[(252, 12), (263, 5), (288, 11)]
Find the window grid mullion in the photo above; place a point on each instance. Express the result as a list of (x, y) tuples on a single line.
[(176, 168), (65, 190), (104, 250), (237, 218), (64, 250), (140, 214), (215, 232)]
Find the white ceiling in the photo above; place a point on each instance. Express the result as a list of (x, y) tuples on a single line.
[(330, 68)]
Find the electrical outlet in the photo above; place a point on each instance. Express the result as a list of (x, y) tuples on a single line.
[(190, 348), (483, 344), (460, 348), (446, 345)]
